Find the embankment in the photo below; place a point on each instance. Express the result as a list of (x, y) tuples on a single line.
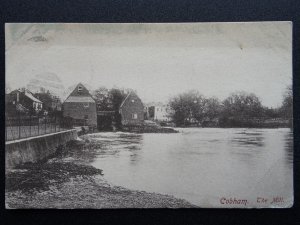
[(35, 149)]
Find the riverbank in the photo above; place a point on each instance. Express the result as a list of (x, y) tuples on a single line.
[(61, 183)]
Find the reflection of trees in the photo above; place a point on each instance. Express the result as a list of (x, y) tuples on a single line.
[(288, 148), (249, 139)]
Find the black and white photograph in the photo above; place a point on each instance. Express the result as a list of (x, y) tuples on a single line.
[(148, 115)]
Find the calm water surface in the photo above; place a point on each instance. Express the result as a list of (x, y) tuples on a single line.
[(202, 165)]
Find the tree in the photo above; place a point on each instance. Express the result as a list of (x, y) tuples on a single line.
[(212, 108), (51, 103), (188, 107), (287, 103), (286, 109), (117, 96), (110, 100), (242, 105), (103, 100), (241, 109)]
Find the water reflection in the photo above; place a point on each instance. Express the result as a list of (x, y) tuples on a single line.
[(196, 163), (288, 147), (255, 139), (114, 143)]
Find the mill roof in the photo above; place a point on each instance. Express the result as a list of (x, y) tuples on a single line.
[(129, 94), (80, 96)]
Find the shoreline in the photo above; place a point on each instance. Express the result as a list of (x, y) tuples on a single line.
[(90, 195), (83, 188)]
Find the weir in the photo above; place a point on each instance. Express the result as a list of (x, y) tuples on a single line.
[(35, 149)]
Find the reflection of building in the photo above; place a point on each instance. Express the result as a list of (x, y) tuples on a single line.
[(132, 110), (81, 106), (22, 100), (159, 112)]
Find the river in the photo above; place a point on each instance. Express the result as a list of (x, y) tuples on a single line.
[(205, 167), (209, 167)]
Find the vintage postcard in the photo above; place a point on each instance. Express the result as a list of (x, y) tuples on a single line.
[(169, 115)]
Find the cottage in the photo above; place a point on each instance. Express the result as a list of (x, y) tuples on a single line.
[(132, 110), (81, 107), (22, 100)]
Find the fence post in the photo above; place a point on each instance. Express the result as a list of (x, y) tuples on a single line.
[(55, 121), (19, 122), (30, 125), (38, 123), (45, 124)]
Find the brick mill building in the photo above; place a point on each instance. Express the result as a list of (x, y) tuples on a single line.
[(81, 107), (132, 110)]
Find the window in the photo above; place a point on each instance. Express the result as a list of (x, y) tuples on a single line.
[(134, 116), (79, 88), (132, 100), (86, 105)]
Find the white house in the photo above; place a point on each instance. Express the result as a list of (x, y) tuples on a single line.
[(159, 112)]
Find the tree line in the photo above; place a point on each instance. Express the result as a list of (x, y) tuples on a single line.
[(240, 109)]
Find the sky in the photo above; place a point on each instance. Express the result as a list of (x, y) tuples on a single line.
[(157, 60)]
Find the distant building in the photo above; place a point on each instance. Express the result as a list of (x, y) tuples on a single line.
[(132, 110), (81, 107), (50, 102), (159, 112), (22, 100)]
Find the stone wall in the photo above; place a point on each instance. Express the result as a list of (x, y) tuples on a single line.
[(35, 149)]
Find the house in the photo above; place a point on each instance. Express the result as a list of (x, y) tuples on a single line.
[(81, 106), (50, 102), (22, 100), (132, 110), (159, 112)]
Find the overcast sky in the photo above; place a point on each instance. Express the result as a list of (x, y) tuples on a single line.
[(157, 60)]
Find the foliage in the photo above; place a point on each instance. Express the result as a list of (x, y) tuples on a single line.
[(191, 107), (101, 95), (286, 109), (110, 100), (242, 105)]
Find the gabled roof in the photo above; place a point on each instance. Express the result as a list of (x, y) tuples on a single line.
[(27, 93), (125, 99), (30, 95), (130, 93), (83, 92), (82, 96)]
